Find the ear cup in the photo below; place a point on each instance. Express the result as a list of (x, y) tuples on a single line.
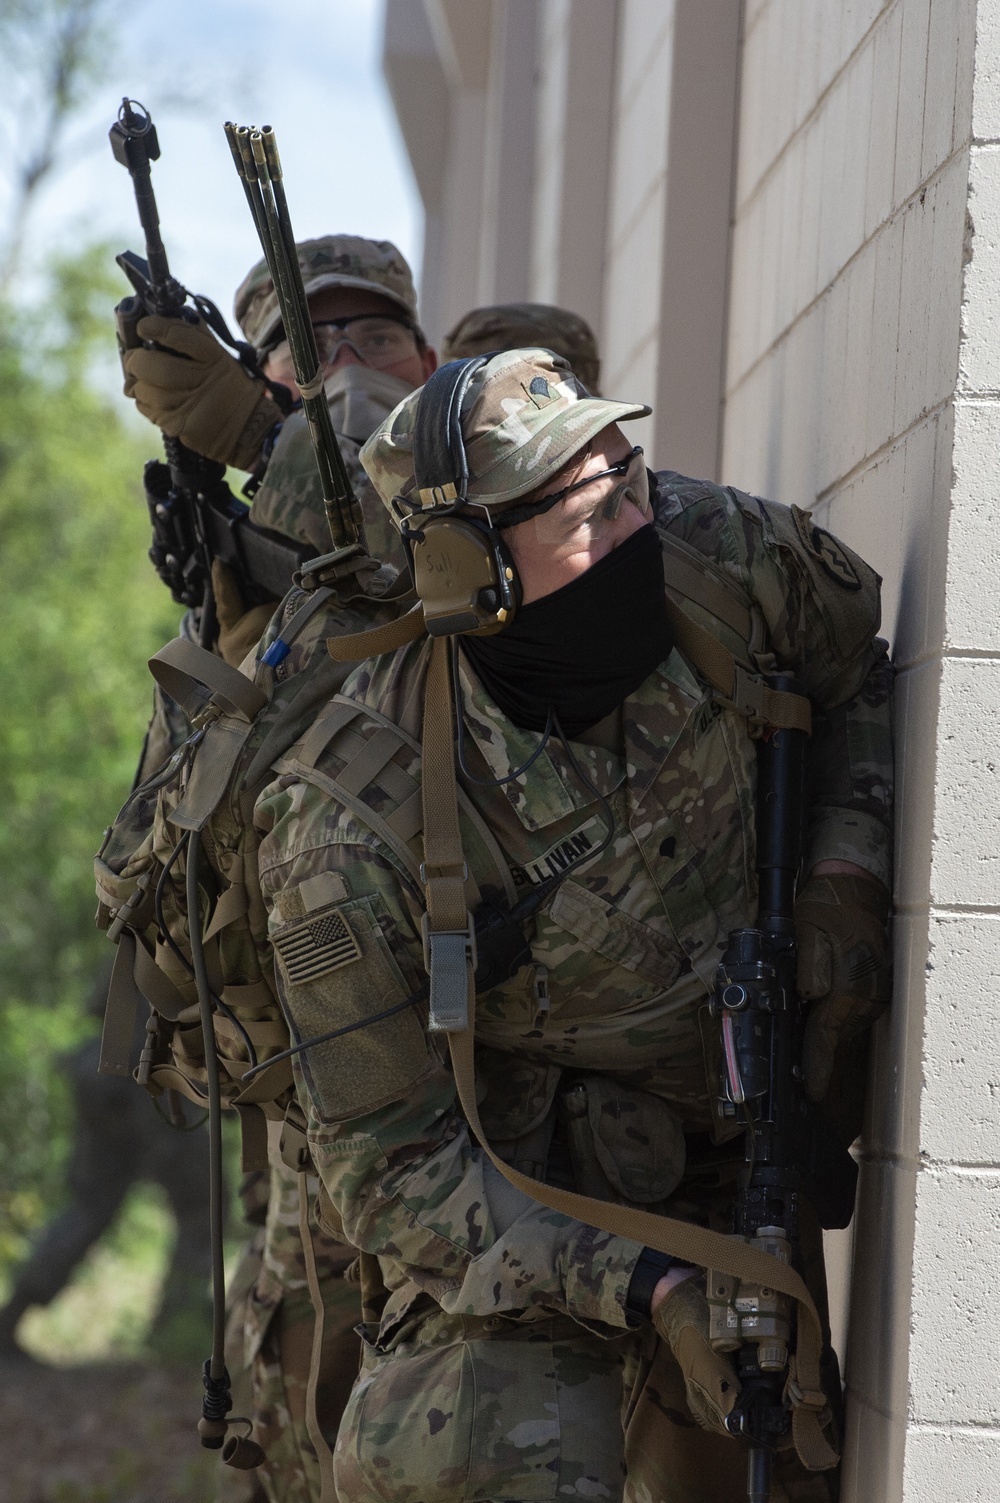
[(463, 574)]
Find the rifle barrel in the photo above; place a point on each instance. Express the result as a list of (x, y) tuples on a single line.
[(255, 154)]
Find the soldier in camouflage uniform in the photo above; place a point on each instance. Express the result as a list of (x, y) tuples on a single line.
[(511, 1352), (363, 303)]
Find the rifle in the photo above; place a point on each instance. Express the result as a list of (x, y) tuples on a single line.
[(195, 516), (790, 1150), (255, 155)]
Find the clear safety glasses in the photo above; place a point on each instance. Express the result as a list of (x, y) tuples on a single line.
[(377, 340)]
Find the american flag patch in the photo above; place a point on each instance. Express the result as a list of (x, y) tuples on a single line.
[(316, 946)]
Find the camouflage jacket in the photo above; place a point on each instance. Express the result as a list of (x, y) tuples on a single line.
[(623, 953), (290, 497)]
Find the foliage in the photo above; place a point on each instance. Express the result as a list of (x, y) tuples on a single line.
[(80, 612)]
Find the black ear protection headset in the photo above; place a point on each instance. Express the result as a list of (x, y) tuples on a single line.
[(463, 572)]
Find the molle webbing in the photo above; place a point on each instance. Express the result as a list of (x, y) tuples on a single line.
[(368, 753), (693, 580)]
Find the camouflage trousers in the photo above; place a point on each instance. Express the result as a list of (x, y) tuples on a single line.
[(280, 1325), (483, 1410)]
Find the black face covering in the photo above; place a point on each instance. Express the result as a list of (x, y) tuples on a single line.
[(584, 648)]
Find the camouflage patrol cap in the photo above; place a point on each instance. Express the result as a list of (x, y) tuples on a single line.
[(512, 326), (524, 416), (330, 261)]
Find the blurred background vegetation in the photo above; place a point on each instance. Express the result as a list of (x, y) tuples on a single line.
[(80, 612)]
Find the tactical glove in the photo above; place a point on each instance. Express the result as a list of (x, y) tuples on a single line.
[(239, 629), (709, 1378), (843, 966), (199, 394)]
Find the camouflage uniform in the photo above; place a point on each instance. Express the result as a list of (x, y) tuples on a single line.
[(497, 1360), (289, 498)]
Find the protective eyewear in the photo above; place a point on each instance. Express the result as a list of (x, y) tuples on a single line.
[(378, 340), (632, 488)]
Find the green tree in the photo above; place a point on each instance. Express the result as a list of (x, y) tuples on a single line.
[(80, 612)]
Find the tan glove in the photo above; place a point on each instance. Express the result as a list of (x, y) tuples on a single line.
[(239, 629), (709, 1378), (207, 399), (844, 966)]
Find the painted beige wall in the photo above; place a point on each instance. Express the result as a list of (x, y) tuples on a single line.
[(836, 348)]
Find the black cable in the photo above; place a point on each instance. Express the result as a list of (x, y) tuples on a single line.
[(460, 737), (215, 1377), (179, 955)]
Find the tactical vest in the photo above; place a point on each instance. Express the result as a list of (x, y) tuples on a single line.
[(239, 727)]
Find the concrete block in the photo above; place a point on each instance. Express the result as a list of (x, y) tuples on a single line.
[(954, 1354), (885, 336), (860, 277), (800, 410), (790, 170), (803, 80), (918, 272), (945, 35), (979, 357), (744, 446), (832, 440), (827, 21), (743, 289), (965, 865), (644, 28), (959, 1120), (917, 707), (965, 64), (806, 269), (952, 1466), (886, 43), (877, 1341), (773, 255), (856, 19), (872, 1466), (865, 513), (947, 197), (986, 75), (831, 236), (918, 593), (910, 99), (973, 560), (859, 83), (892, 1108)]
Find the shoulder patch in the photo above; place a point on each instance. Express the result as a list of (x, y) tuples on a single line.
[(318, 944), (825, 549)]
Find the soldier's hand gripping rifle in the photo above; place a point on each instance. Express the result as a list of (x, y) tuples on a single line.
[(791, 1153), (195, 516), (255, 153)]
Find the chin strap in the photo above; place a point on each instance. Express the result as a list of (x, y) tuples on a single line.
[(449, 950)]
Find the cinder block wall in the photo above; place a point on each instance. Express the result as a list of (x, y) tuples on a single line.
[(847, 331), (845, 393)]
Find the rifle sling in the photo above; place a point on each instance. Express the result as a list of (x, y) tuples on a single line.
[(184, 671), (748, 693)]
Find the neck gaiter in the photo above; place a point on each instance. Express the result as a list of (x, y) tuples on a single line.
[(584, 648)]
